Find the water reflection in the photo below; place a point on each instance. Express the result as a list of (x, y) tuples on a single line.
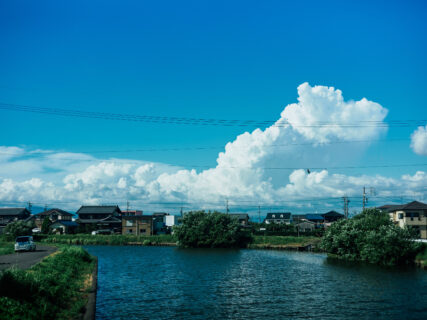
[(164, 283)]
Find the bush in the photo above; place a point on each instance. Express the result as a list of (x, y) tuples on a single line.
[(18, 228), (371, 237), (211, 230)]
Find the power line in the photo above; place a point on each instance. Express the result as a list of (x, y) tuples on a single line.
[(203, 121), (44, 154)]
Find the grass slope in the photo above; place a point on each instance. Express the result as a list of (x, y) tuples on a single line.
[(53, 289)]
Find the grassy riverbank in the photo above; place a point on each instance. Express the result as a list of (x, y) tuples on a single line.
[(114, 240), (284, 242), (6, 247), (55, 288), (260, 242)]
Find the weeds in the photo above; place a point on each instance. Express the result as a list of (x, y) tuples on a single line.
[(49, 290)]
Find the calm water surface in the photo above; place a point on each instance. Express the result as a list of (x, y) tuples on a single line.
[(172, 283)]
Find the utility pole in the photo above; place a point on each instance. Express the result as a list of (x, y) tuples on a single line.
[(30, 205), (259, 214), (365, 199), (346, 201), (227, 210), (127, 207)]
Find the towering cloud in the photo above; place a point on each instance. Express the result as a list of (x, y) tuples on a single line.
[(310, 134)]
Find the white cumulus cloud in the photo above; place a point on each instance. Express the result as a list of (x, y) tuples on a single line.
[(419, 141), (251, 169)]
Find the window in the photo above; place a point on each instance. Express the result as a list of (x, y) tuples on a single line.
[(129, 223), (400, 215), (130, 231), (281, 216), (274, 216), (142, 230)]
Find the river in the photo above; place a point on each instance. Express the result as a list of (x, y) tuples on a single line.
[(173, 283)]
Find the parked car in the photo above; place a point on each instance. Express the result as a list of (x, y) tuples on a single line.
[(25, 243)]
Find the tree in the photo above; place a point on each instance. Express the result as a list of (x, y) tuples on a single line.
[(371, 237), (45, 225), (18, 228), (201, 229)]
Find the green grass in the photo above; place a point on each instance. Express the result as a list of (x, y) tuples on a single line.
[(284, 240), (422, 257), (6, 247), (51, 289), (87, 239)]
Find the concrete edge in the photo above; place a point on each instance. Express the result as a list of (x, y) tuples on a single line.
[(90, 310)]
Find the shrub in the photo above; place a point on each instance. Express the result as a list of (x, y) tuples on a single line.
[(371, 237), (18, 228), (211, 230)]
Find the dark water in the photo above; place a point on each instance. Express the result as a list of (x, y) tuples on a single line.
[(171, 283)]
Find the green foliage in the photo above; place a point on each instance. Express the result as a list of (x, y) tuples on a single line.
[(211, 230), (371, 237), (113, 240), (45, 225), (284, 240), (6, 247), (18, 228), (49, 290)]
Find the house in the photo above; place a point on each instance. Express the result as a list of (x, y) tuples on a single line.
[(412, 215), (297, 218), (159, 222), (53, 215), (332, 216), (243, 218), (305, 226), (171, 220), (100, 218), (278, 217), (318, 219), (132, 213), (8, 215), (64, 226), (137, 225)]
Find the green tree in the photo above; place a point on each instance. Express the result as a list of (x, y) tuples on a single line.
[(18, 228), (371, 237), (201, 229), (45, 225)]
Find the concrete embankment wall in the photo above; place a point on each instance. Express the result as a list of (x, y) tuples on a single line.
[(91, 303)]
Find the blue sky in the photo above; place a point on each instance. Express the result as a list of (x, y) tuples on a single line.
[(204, 59)]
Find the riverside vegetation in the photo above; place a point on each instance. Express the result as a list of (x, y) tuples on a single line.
[(55, 288), (372, 237), (201, 229)]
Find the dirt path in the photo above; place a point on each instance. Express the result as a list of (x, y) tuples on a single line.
[(25, 260)]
